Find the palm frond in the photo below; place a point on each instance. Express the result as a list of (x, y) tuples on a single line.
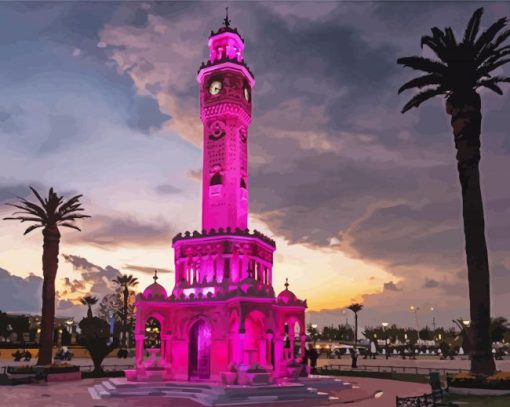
[(29, 229), (27, 209), (435, 46), (473, 26), (38, 196), (28, 219), (495, 56), (439, 36), (420, 82), (501, 38), (73, 217), (451, 42), (40, 211), (492, 86), (69, 225), (492, 83), (423, 64), (488, 35), (421, 97), (488, 68), (71, 202)]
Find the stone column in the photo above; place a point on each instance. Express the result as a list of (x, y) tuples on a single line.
[(262, 351), (291, 345), (278, 355), (269, 338), (166, 356), (240, 348), (302, 337), (139, 338)]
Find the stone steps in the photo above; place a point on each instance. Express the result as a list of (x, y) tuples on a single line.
[(210, 394)]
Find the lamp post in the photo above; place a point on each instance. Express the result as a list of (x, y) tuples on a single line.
[(432, 309), (415, 309), (386, 349)]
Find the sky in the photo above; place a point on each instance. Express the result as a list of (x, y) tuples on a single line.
[(363, 202)]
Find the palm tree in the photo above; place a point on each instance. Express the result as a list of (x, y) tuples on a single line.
[(355, 308), (51, 213), (124, 281), (461, 68), (90, 301)]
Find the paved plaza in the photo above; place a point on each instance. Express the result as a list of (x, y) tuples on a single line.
[(71, 394)]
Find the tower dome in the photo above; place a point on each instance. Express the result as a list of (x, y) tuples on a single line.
[(155, 290), (286, 296)]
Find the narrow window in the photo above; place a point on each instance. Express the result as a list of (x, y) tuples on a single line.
[(216, 179)]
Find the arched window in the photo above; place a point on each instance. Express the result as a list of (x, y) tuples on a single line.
[(243, 183), (216, 179)]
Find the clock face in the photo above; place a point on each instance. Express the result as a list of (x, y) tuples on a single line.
[(247, 94), (215, 87)]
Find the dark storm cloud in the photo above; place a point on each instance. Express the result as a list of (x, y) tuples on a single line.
[(145, 115), (167, 189), (391, 286), (10, 192), (409, 235), (99, 278), (18, 294), (430, 283), (112, 232)]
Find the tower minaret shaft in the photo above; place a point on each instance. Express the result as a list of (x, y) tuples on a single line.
[(225, 110)]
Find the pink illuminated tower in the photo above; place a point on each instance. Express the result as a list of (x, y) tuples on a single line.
[(222, 309)]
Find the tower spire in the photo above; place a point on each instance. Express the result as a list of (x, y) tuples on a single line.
[(155, 275), (286, 284), (226, 21)]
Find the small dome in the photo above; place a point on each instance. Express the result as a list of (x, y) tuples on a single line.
[(155, 290), (286, 296)]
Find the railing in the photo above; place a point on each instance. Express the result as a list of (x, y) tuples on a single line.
[(391, 369), (106, 368)]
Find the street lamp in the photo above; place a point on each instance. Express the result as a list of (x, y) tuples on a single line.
[(416, 309), (384, 325)]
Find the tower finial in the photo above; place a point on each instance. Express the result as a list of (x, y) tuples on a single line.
[(155, 275), (286, 284), (226, 21)]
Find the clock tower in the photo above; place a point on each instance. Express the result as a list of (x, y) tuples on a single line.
[(225, 110), (222, 309)]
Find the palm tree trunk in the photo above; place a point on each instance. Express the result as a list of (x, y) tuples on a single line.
[(50, 265), (466, 123), (355, 329), (89, 311), (124, 318)]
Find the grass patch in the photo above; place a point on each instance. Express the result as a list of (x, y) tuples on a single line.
[(404, 377), (477, 401)]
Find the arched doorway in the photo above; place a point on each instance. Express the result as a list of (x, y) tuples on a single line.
[(199, 351)]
